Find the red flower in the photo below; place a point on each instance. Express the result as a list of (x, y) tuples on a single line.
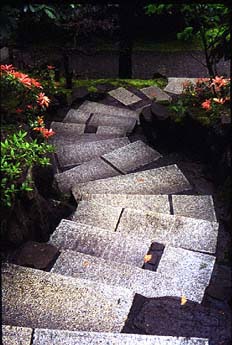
[(19, 110), (50, 67), (219, 82), (35, 83), (43, 100), (47, 132), (7, 68), (206, 104), (29, 106), (23, 78)]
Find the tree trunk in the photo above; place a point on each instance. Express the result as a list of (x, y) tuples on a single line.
[(68, 73), (126, 22)]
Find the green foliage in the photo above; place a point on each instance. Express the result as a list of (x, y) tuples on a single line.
[(206, 101), (18, 155), (209, 22)]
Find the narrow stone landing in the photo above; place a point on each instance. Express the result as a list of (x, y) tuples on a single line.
[(88, 108), (164, 180), (83, 152), (50, 337), (111, 246), (23, 336), (117, 161), (185, 232), (194, 206), (38, 299), (195, 268)]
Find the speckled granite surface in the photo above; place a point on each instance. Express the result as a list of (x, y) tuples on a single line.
[(87, 108), (54, 337), (12, 335), (132, 156), (124, 96), (83, 152), (195, 268), (165, 180), (46, 300)]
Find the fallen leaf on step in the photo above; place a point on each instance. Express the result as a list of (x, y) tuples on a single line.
[(140, 180), (86, 263), (183, 300), (147, 258)]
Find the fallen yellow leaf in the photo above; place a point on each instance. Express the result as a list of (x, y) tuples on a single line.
[(183, 300), (85, 263), (147, 258)]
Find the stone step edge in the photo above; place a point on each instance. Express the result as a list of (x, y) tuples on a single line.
[(169, 197), (36, 335), (144, 212)]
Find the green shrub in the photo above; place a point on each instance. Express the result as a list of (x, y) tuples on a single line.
[(18, 155)]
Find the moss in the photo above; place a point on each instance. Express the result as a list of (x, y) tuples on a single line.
[(91, 84)]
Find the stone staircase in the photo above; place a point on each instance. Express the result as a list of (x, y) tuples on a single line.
[(133, 232)]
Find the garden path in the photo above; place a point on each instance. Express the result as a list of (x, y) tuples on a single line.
[(136, 230)]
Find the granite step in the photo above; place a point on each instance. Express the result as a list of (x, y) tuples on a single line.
[(82, 152), (12, 335), (189, 233), (106, 120), (132, 156), (71, 139), (118, 161), (22, 336), (92, 170), (164, 180), (41, 299), (194, 206), (180, 273), (154, 92), (109, 245), (124, 96), (88, 108)]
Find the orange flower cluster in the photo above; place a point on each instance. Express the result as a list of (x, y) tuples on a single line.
[(206, 104), (43, 100), (22, 77), (46, 133), (219, 82)]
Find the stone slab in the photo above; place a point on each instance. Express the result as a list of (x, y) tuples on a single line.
[(132, 156), (190, 271), (190, 233), (181, 273), (109, 245), (71, 139), (83, 152), (88, 108), (12, 335), (98, 119), (124, 96), (88, 171), (155, 203), (179, 231), (42, 299), (109, 130), (196, 206), (164, 180), (154, 92), (97, 215), (176, 85), (67, 128), (57, 337)]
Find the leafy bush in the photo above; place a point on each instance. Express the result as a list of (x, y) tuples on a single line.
[(23, 103), (207, 100), (18, 155)]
